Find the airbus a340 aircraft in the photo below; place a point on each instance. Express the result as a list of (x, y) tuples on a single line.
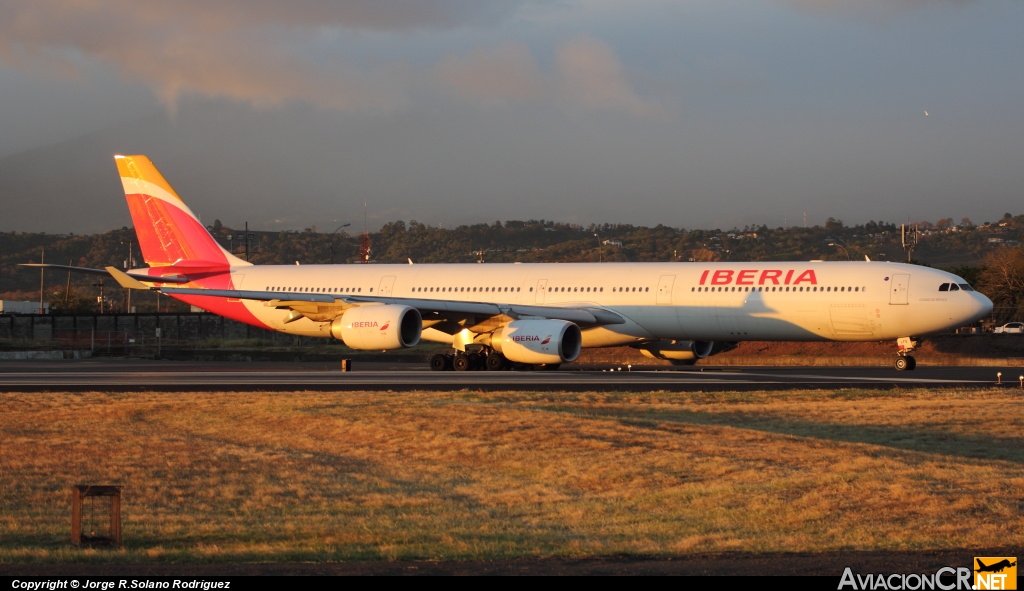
[(539, 314)]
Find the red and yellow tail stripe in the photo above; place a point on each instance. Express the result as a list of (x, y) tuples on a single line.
[(169, 233), (173, 240)]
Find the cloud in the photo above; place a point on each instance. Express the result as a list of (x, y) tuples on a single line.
[(505, 74), (591, 75), (249, 50), (586, 74), (267, 53), (865, 9)]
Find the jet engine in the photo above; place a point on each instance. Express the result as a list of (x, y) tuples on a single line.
[(678, 352), (538, 341), (378, 327)]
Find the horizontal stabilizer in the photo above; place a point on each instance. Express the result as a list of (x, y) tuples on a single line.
[(90, 271), (125, 280)]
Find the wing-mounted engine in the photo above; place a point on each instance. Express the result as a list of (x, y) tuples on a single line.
[(678, 352), (378, 327), (538, 341)]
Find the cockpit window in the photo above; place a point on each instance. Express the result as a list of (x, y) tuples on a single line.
[(955, 287)]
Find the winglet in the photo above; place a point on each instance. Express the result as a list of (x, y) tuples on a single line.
[(125, 280)]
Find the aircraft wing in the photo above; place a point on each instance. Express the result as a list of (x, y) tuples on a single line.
[(298, 301), (590, 316)]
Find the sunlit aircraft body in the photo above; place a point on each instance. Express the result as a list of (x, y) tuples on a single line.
[(540, 314)]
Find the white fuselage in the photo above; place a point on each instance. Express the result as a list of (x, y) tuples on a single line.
[(842, 301)]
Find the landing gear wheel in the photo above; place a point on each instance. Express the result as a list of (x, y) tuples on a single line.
[(495, 362), (439, 362), (461, 362), (905, 363)]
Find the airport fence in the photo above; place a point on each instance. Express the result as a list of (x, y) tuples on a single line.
[(121, 334)]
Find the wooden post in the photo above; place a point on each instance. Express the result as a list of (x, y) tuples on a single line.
[(78, 495)]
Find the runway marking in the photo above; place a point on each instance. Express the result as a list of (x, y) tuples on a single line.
[(81, 378)]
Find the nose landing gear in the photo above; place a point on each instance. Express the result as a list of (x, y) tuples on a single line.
[(904, 360)]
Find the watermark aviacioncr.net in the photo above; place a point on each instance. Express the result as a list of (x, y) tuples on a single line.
[(989, 573)]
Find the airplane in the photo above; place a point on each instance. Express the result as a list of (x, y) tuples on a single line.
[(496, 316), (994, 568)]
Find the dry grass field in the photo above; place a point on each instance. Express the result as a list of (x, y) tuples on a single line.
[(307, 476)]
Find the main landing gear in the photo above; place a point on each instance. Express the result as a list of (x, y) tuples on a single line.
[(904, 360), (463, 361), (485, 359)]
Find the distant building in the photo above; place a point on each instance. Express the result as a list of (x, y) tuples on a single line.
[(11, 307)]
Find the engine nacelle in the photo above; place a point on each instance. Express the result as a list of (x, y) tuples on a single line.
[(538, 341), (378, 327), (678, 352)]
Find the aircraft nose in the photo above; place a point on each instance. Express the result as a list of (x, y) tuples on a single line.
[(983, 306)]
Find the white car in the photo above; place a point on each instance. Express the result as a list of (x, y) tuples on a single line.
[(1010, 328)]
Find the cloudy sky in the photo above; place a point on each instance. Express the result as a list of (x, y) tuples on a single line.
[(695, 114)]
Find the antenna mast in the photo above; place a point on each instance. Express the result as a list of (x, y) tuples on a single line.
[(908, 236)]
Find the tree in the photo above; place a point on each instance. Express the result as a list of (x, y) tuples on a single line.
[(833, 225), (1002, 280)]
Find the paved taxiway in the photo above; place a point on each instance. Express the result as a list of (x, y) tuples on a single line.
[(136, 375)]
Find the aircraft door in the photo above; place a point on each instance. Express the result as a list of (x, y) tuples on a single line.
[(898, 289), (542, 287), (387, 285), (665, 290)]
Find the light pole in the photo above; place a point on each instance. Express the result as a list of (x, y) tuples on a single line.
[(129, 264), (600, 251), (839, 244), (330, 239)]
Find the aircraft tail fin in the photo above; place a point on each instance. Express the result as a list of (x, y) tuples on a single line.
[(169, 233)]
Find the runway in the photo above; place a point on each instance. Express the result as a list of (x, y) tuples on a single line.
[(169, 376)]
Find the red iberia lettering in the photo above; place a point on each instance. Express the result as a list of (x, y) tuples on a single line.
[(758, 277), (366, 324)]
